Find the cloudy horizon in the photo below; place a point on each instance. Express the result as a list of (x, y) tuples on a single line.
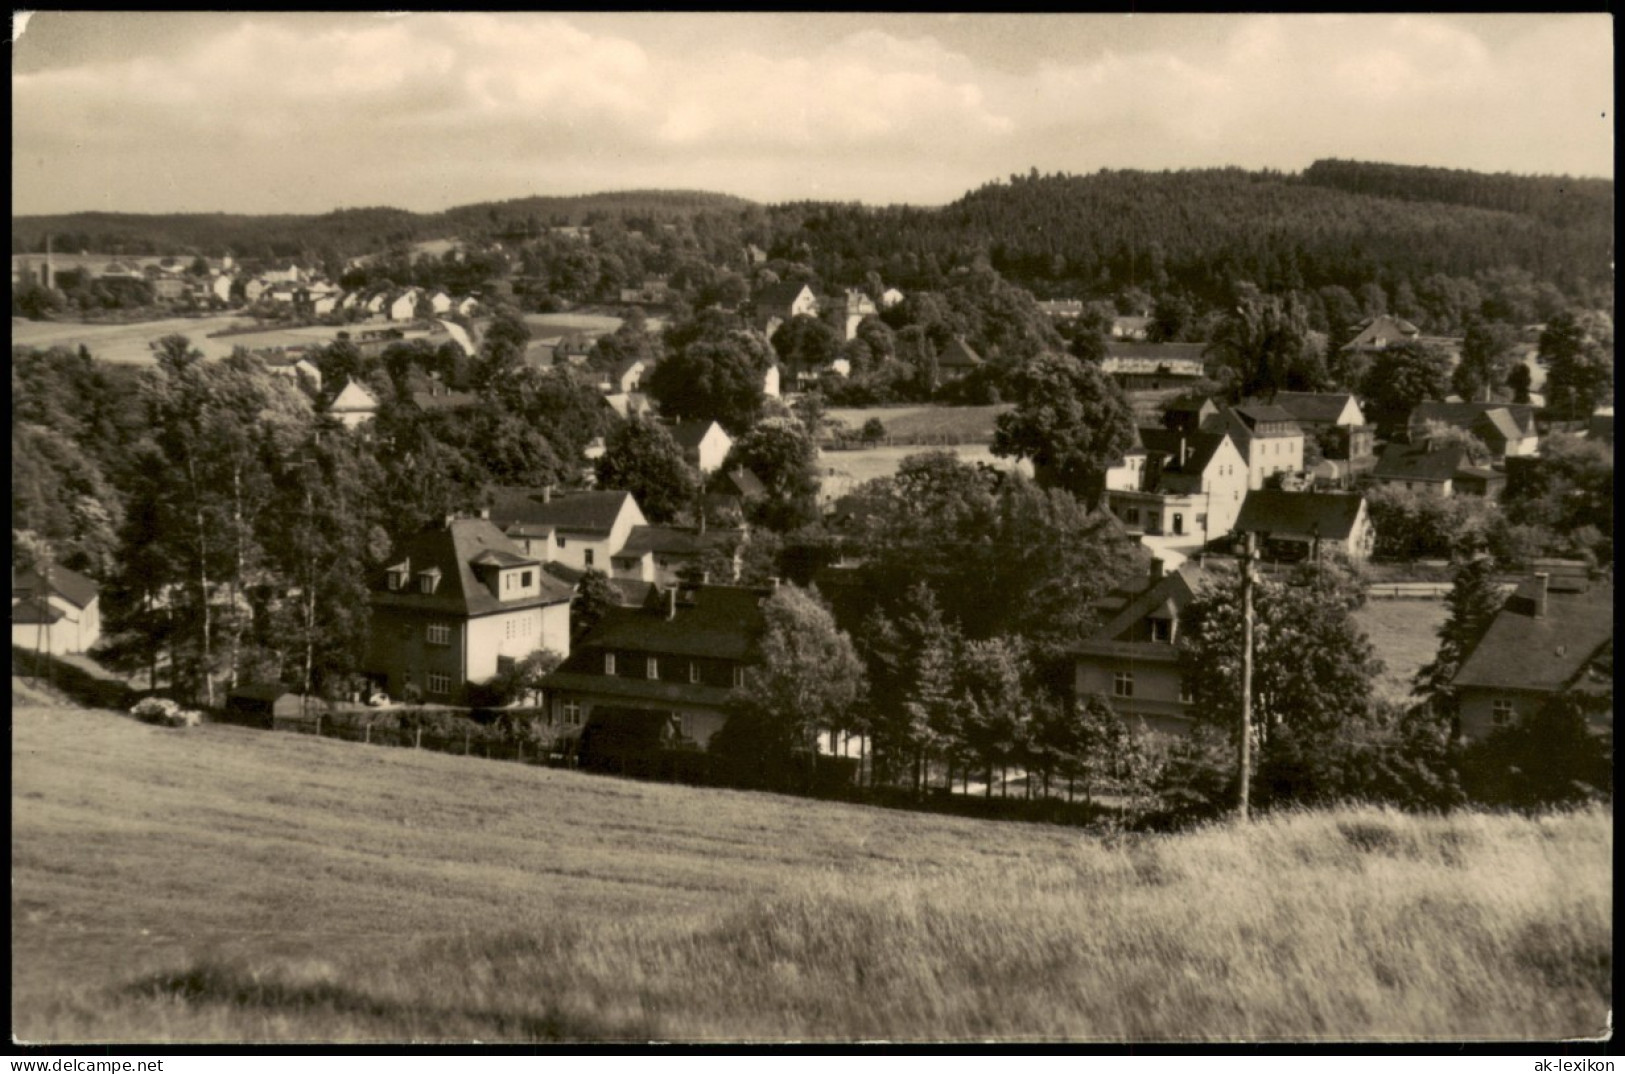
[(306, 113)]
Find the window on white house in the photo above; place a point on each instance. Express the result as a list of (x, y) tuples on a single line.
[(572, 713), (438, 634), (1502, 712), (559, 537), (609, 663), (524, 579), (1162, 630), (651, 668), (586, 557), (426, 582), (439, 685), (1123, 684)]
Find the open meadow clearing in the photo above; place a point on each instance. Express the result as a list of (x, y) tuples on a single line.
[(128, 343), (920, 423), (220, 883), (1405, 635)]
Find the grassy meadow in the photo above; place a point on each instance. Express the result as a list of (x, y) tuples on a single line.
[(1405, 635), (220, 883)]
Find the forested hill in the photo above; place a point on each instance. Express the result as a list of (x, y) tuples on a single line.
[(1559, 200), (1198, 230), (347, 232)]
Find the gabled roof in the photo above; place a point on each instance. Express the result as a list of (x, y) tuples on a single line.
[(1416, 462), (958, 354), (35, 610), (688, 434), (576, 512), (1158, 352), (1463, 415), (1167, 595), (1314, 406), (671, 541), (738, 482), (779, 295), (1327, 515), (1501, 421), (724, 622), (71, 586), (1520, 651), (1385, 327), (1200, 447), (454, 550), (1253, 415)]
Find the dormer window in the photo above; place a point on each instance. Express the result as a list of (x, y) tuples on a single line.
[(399, 573), (428, 580), (1162, 630)]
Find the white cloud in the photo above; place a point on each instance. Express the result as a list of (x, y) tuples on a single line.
[(434, 109)]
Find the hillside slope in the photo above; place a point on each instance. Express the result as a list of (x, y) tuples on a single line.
[(226, 884)]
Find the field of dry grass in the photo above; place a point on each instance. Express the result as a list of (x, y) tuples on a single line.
[(919, 422), (1405, 634), (225, 884)]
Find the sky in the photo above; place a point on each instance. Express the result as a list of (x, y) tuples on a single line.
[(310, 112)]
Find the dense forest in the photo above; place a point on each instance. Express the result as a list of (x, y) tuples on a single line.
[(348, 232), (1337, 224)]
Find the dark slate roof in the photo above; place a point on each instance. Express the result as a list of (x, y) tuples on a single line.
[(1169, 594), (71, 586), (1313, 406), (1463, 415), (1521, 652), (1384, 327), (1502, 421), (778, 295), (688, 434), (1161, 352), (453, 550), (1308, 514), (669, 540), (738, 482), (1414, 462), (1253, 414), (1201, 447), (578, 512), (958, 354), (716, 621), (565, 573), (34, 610)]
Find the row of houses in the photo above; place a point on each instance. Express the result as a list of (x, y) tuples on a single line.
[(1554, 633)]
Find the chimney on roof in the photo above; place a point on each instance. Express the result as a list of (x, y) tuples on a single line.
[(449, 519), (1156, 570), (485, 514), (1542, 580), (671, 603), (1184, 450)]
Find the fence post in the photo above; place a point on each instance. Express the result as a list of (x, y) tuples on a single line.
[(366, 733), (417, 737), (318, 725), (465, 742)]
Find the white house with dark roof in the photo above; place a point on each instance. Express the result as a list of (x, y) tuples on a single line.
[(1179, 484), (1298, 525), (1269, 439), (1133, 659), (1317, 413), (705, 444), (670, 665), (581, 530), (1505, 428), (1555, 633), (456, 605), (55, 610)]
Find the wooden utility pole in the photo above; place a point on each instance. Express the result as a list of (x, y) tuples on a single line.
[(1245, 754)]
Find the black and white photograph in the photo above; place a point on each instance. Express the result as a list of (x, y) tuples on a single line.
[(748, 529)]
